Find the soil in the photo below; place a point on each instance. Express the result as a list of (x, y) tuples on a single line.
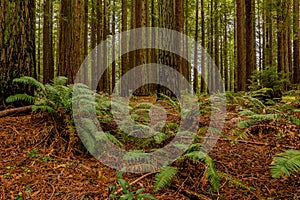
[(38, 161)]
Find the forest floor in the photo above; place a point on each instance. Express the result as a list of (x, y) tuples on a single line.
[(36, 163)]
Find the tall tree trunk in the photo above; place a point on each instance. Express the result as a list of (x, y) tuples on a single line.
[(113, 30), (66, 46), (94, 70), (241, 57), (195, 82), (124, 47), (296, 43), (217, 46), (166, 20), (17, 43), (85, 35), (280, 36), (141, 54), (250, 39), (203, 75), (48, 62)]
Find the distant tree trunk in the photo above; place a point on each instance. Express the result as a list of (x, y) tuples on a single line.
[(241, 57), (203, 82), (85, 35), (113, 31), (48, 62), (296, 43), (250, 39), (280, 36), (269, 34), (210, 71), (225, 52), (94, 70), (17, 43), (132, 54), (39, 44), (195, 81), (124, 47), (216, 47)]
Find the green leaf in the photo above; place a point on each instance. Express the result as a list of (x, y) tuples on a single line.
[(285, 164), (164, 177), (20, 97)]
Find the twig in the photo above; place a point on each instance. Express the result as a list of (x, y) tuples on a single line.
[(53, 189)]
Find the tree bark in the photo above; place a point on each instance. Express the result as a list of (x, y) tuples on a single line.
[(241, 57), (296, 43)]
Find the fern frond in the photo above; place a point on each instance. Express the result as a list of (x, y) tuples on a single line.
[(245, 124), (195, 156), (265, 117), (44, 108), (292, 119), (113, 139), (246, 112), (174, 104), (20, 97), (212, 174), (164, 177), (285, 164), (60, 80), (27, 80), (160, 137)]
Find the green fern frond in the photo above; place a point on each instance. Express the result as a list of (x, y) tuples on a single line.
[(246, 112), (160, 137), (44, 108), (20, 97), (27, 80), (245, 124), (265, 117), (60, 80), (292, 119), (113, 139), (285, 164), (174, 104), (195, 156), (164, 177), (212, 174), (135, 155)]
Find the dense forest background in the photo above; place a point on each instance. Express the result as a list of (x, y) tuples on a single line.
[(48, 38)]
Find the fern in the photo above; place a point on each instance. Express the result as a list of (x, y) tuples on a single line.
[(211, 172), (27, 80), (285, 164), (164, 177), (60, 80), (20, 97), (44, 108)]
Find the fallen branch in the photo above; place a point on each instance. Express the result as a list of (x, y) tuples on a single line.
[(8, 112)]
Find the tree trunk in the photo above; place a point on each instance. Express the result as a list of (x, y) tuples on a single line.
[(250, 39), (296, 43), (48, 62), (66, 45), (195, 82), (203, 80), (17, 43), (241, 57)]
